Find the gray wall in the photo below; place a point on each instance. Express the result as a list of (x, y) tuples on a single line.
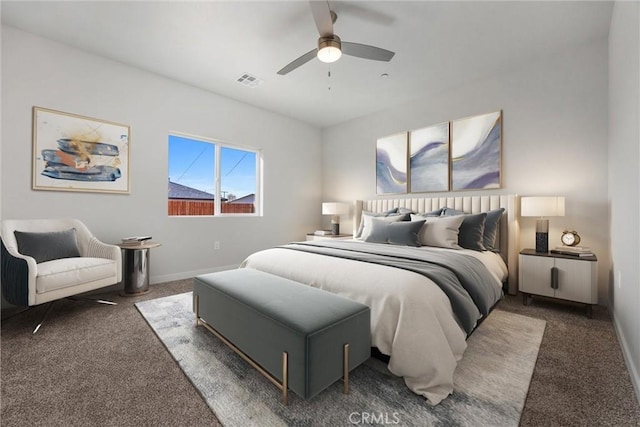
[(624, 179), (39, 72), (555, 117)]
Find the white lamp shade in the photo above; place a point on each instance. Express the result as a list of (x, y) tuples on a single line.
[(335, 208), (542, 206)]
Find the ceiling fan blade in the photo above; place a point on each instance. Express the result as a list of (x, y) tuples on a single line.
[(366, 51), (298, 62), (322, 16)]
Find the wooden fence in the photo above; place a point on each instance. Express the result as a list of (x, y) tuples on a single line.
[(237, 208), (205, 207)]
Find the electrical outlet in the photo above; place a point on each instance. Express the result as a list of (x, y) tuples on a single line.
[(216, 245)]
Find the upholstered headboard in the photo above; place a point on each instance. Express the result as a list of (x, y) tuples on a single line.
[(509, 235)]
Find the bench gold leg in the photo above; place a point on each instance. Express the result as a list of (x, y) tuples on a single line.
[(346, 369), (196, 308), (285, 376)]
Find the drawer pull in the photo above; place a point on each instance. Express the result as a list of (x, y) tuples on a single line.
[(554, 277)]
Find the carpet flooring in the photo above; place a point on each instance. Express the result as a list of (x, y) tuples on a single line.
[(485, 392), (97, 365)]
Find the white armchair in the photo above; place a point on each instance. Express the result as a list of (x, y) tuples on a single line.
[(41, 264)]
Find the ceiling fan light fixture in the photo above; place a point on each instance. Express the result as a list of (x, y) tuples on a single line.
[(329, 49)]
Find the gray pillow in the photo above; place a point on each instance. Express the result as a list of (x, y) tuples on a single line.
[(491, 229), (406, 211), (490, 226), (437, 212), (440, 231), (367, 219), (471, 235), (403, 233), (390, 212), (45, 247), (451, 212)]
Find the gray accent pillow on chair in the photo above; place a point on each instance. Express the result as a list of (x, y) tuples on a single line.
[(45, 247)]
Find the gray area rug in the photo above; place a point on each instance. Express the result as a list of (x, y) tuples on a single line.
[(491, 381)]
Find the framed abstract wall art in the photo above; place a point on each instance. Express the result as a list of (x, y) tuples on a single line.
[(391, 164), (77, 153), (429, 159), (476, 152)]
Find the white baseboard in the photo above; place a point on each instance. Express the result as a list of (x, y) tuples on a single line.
[(633, 371), (189, 274)]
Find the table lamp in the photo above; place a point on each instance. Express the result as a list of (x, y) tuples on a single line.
[(336, 209), (542, 206)]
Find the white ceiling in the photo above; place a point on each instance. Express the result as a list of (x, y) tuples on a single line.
[(438, 45)]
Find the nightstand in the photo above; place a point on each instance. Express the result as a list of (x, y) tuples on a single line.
[(559, 276), (311, 236)]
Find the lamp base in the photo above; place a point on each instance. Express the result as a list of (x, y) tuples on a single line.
[(542, 235), (335, 228), (542, 242)]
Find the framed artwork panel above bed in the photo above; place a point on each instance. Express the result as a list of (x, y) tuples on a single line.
[(429, 159), (509, 231), (476, 146), (391, 164)]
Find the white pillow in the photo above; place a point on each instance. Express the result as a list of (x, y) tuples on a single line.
[(368, 219), (440, 231)]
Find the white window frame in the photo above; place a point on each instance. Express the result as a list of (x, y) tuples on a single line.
[(217, 205)]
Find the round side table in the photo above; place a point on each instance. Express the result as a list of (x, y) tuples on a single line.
[(135, 268)]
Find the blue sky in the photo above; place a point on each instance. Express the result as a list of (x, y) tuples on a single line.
[(192, 162)]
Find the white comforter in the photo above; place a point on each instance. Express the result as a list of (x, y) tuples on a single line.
[(411, 318)]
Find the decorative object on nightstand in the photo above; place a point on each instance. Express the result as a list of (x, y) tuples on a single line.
[(570, 238), (336, 209), (579, 251), (541, 207), (562, 276)]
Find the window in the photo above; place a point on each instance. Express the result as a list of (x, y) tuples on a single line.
[(200, 169)]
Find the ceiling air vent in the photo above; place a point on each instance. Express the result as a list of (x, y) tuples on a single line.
[(248, 80)]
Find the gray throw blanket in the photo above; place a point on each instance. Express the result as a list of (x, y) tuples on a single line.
[(464, 279)]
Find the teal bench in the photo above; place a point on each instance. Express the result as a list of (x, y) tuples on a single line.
[(301, 338)]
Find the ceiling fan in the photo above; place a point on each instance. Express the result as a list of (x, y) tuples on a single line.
[(330, 47)]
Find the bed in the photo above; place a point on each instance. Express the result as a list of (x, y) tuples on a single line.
[(419, 322)]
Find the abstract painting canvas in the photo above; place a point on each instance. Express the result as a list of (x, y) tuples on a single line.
[(475, 152), (76, 153), (429, 159), (391, 164)]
